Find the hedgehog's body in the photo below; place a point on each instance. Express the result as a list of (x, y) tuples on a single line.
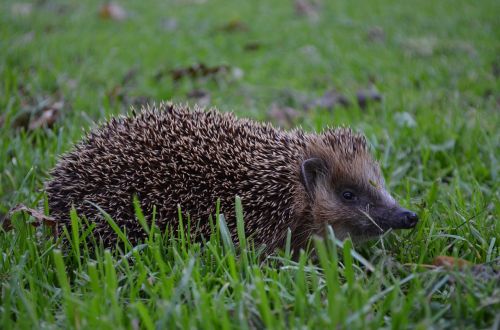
[(172, 157)]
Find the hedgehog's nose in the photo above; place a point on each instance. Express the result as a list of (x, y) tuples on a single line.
[(410, 219)]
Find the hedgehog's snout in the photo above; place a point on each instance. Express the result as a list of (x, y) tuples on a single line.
[(403, 219), (409, 219)]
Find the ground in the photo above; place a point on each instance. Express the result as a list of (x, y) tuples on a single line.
[(420, 79)]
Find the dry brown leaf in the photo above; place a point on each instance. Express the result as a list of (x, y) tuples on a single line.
[(42, 114), (450, 262), (199, 70), (112, 11), (47, 117), (40, 218)]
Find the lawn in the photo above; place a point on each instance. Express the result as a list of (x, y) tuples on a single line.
[(420, 79)]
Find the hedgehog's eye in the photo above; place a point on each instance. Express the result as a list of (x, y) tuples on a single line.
[(349, 196)]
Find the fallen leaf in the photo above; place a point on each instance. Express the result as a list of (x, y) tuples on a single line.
[(44, 114), (450, 262), (202, 97), (234, 25), (46, 119), (283, 116), (197, 71), (40, 218), (376, 34), (112, 11), (48, 116), (366, 96), (330, 100)]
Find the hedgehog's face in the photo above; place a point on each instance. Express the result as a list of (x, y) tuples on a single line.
[(350, 195)]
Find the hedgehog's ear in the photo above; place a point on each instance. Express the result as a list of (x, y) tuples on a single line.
[(310, 170)]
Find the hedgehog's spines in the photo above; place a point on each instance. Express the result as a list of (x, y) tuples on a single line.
[(169, 155)]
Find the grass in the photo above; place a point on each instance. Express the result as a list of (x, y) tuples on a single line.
[(436, 133)]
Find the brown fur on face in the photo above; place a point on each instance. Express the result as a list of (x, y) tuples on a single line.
[(343, 163)]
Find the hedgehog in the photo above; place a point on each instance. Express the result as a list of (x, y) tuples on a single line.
[(171, 157)]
